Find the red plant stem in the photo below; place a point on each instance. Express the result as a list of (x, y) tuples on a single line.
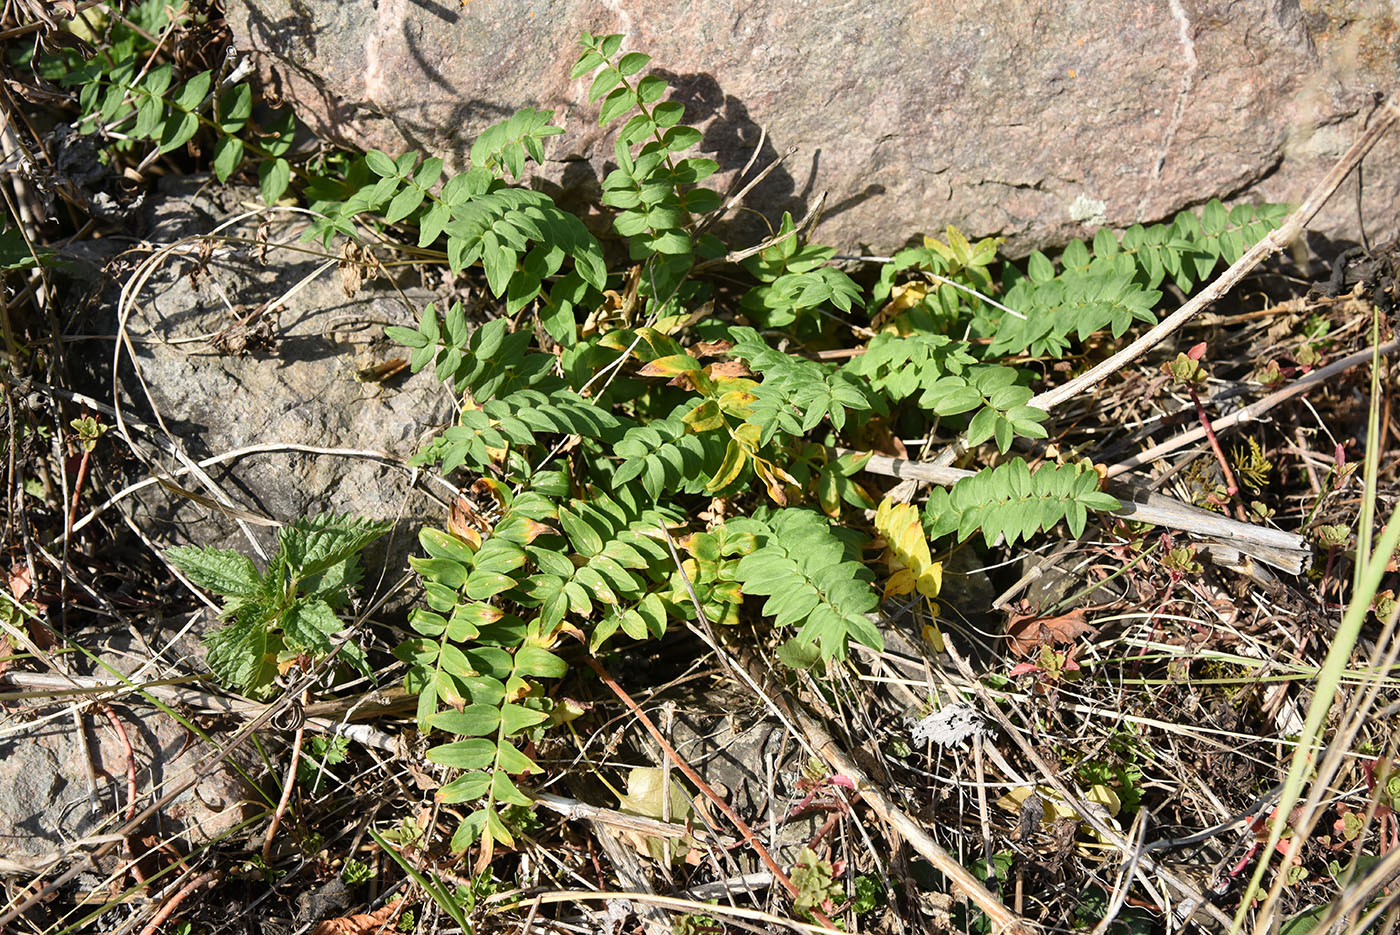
[(169, 908), (135, 865), (824, 830), (744, 830), (130, 761), (77, 492), (1231, 488), (287, 785)]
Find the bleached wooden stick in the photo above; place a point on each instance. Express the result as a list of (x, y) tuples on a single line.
[(1282, 550)]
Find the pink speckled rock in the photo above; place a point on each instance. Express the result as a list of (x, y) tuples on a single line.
[(1031, 120)]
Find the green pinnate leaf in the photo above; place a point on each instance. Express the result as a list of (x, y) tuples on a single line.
[(228, 153), (381, 164), (274, 175), (532, 660), (191, 95), (179, 128)]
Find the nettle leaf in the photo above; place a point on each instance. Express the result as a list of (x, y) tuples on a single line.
[(308, 626), (243, 655), (313, 545), (222, 571)]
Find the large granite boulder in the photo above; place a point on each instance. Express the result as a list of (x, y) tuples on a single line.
[(1035, 121)]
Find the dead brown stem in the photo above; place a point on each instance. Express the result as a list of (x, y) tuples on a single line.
[(739, 824)]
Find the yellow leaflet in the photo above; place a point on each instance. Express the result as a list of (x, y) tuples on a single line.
[(1099, 797), (735, 457), (902, 298), (913, 565), (737, 402), (704, 418), (748, 435)]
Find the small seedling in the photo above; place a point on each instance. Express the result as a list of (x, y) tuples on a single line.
[(289, 610)]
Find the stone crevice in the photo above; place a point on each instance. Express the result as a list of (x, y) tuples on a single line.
[(1188, 80)]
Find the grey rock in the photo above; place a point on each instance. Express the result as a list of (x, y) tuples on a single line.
[(44, 800), (288, 375), (1038, 122)]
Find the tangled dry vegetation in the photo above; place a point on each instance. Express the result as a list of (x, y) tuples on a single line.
[(1151, 723)]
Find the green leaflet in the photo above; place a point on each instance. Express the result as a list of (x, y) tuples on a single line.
[(1074, 304), (668, 457), (513, 421), (1109, 285), (796, 395), (518, 236), (795, 281), (1010, 501), (898, 367), (804, 568)]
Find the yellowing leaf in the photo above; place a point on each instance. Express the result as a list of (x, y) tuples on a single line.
[(669, 366), (902, 298), (734, 459), (737, 402), (899, 524), (775, 479), (644, 795), (1100, 799), (962, 250), (748, 435), (704, 418), (901, 582)]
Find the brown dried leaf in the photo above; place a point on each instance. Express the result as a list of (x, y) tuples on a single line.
[(711, 348), (19, 582), (363, 923), (354, 259), (466, 523), (1028, 632), (728, 368)]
